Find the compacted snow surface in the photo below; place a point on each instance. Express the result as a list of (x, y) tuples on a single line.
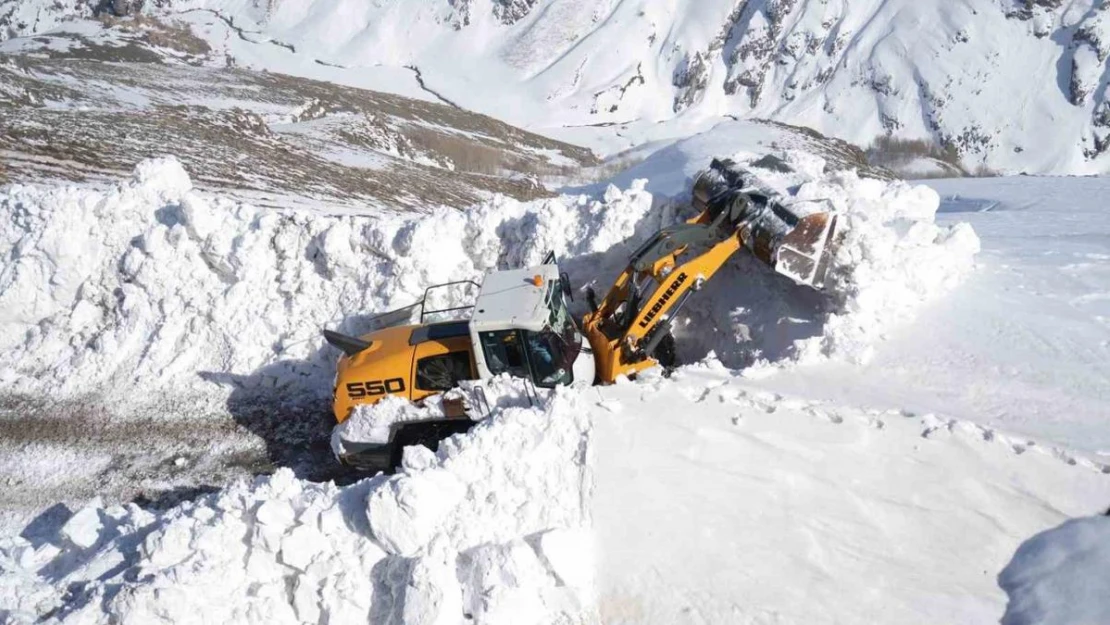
[(701, 498)]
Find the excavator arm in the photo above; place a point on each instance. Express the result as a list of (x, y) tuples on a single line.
[(637, 314)]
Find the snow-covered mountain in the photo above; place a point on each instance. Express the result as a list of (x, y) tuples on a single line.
[(912, 444), (1013, 85)]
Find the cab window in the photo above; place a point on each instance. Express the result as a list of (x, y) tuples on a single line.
[(505, 353), (550, 358), (443, 372)]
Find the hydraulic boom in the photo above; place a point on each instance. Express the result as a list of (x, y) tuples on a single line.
[(626, 329)]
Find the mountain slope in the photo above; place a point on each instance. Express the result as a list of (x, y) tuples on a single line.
[(92, 103), (1015, 85)]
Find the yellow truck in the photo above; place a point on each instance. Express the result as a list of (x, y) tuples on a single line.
[(520, 325)]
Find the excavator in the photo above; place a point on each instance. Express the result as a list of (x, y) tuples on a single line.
[(520, 323)]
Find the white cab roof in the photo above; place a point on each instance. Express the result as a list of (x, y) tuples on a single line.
[(511, 299)]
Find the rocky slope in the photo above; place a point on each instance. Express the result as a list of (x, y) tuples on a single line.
[(1013, 85), (88, 105)]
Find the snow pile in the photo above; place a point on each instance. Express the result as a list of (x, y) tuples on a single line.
[(485, 516), (892, 258), (459, 532), (152, 284), (373, 423), (1059, 577)]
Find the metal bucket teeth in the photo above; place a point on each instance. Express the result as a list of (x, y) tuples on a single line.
[(797, 240), (806, 252)]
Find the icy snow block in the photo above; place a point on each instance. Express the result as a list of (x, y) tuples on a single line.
[(569, 553), (275, 513), (83, 528), (165, 174), (407, 510), (300, 546), (1059, 577), (433, 595)]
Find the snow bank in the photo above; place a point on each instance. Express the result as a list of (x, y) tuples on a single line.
[(892, 259), (461, 531), (374, 423), (1059, 577), (151, 284)]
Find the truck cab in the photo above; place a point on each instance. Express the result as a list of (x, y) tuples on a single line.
[(519, 325)]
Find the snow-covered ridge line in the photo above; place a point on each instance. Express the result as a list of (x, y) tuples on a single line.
[(1010, 84)]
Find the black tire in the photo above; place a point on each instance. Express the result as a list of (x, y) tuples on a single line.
[(664, 352), (427, 433)]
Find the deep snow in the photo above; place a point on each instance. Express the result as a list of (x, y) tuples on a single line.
[(707, 476), (717, 501), (457, 532), (710, 500), (1025, 347)]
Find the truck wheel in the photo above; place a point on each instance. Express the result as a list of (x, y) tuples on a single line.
[(664, 352), (427, 434)]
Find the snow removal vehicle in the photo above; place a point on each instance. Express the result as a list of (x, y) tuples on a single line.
[(520, 323)]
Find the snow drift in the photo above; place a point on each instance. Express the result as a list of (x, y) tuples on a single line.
[(151, 285), (151, 288), (1058, 577), (457, 532)]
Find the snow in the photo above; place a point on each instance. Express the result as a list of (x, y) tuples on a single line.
[(709, 500), (1023, 345), (83, 528), (1059, 576), (1015, 86), (716, 501), (462, 534)]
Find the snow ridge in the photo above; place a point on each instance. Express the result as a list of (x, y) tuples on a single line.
[(459, 531), (1010, 85), (152, 285)]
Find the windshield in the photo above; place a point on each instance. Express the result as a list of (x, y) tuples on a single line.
[(550, 357), (552, 352), (559, 321)]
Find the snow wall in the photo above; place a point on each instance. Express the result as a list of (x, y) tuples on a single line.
[(151, 286), (457, 532)]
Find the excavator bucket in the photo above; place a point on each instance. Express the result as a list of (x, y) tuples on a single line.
[(797, 240)]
